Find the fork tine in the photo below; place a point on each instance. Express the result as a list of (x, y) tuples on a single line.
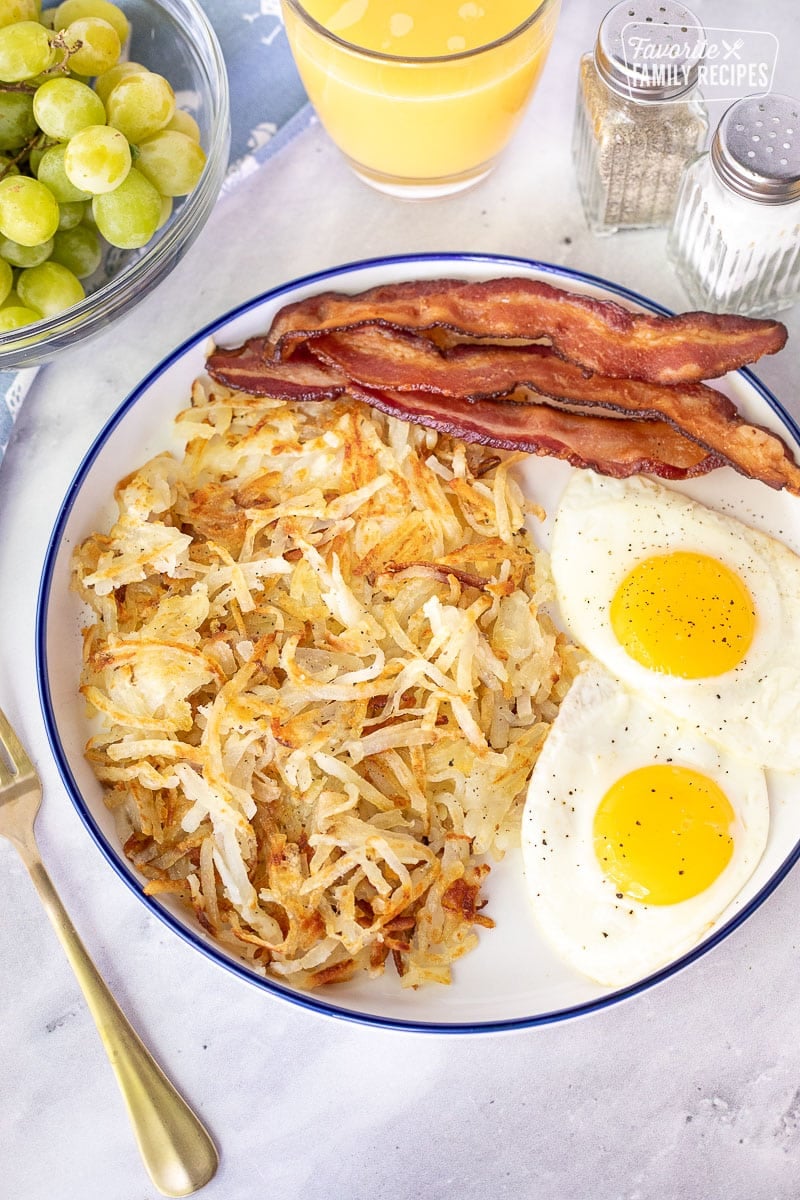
[(14, 749)]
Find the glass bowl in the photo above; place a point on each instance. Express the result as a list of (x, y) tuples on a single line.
[(175, 39)]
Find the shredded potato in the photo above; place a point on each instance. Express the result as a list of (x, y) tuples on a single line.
[(321, 669)]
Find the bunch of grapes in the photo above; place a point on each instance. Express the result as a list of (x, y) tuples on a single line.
[(92, 148)]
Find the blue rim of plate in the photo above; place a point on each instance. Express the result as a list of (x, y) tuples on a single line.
[(309, 1000)]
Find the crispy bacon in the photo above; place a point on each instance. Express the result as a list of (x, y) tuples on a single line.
[(250, 368), (599, 335), (376, 358), (618, 447), (385, 360)]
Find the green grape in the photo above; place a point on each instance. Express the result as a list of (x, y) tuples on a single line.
[(25, 256), (171, 161), (97, 159), (49, 288), (58, 66), (17, 122), (52, 174), (36, 154), (14, 317), (70, 214), (6, 279), (128, 217), (28, 210), (62, 107), (98, 45), (75, 10), (18, 10), (12, 300), (140, 104), (25, 50), (184, 122), (79, 250), (110, 78)]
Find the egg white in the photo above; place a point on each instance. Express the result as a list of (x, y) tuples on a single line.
[(602, 732), (604, 527)]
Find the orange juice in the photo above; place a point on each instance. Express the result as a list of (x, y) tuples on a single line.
[(422, 93)]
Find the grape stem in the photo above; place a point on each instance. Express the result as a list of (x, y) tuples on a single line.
[(59, 42), (31, 144)]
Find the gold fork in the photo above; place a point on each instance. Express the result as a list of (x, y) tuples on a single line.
[(177, 1151)]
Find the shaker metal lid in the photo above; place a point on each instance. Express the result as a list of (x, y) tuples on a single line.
[(756, 148), (650, 50)]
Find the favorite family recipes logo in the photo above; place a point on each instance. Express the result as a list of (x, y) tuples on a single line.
[(728, 63)]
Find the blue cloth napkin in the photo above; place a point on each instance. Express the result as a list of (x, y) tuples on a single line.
[(268, 104), (268, 107)]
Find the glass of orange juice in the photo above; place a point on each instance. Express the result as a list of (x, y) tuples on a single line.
[(420, 95)]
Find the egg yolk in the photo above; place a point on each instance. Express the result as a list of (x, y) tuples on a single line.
[(684, 614), (662, 833)]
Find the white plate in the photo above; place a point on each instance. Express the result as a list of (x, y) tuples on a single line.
[(512, 979)]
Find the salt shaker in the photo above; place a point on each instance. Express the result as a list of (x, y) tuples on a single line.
[(735, 238), (639, 117)]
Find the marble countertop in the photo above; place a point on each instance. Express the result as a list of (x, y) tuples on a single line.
[(689, 1090)]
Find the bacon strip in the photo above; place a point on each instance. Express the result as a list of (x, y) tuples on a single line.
[(618, 447), (387, 360), (377, 364), (248, 368), (599, 335)]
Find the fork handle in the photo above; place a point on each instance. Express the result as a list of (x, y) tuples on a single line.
[(177, 1151)]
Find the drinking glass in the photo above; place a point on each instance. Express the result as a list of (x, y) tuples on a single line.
[(420, 127)]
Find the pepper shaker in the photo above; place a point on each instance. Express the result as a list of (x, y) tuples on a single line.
[(735, 238), (639, 117)]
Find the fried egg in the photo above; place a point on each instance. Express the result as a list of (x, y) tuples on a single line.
[(637, 832), (691, 608)]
